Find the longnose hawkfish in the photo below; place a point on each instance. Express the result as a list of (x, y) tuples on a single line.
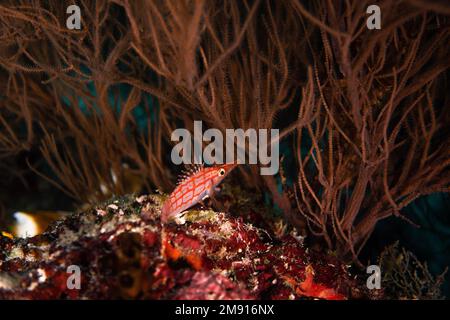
[(195, 187)]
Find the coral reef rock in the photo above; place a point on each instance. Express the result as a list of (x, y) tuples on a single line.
[(120, 249)]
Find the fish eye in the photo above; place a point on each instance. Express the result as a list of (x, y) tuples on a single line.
[(221, 172)]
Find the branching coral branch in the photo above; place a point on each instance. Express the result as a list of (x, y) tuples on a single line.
[(377, 142)]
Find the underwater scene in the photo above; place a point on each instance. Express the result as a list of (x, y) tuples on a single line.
[(224, 150)]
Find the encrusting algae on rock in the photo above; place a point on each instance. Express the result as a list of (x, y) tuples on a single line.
[(124, 251)]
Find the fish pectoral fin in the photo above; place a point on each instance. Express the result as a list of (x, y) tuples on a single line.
[(182, 213), (180, 217)]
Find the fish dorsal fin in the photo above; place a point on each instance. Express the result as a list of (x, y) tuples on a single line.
[(188, 171)]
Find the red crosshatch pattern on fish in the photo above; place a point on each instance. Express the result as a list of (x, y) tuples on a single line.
[(193, 189)]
